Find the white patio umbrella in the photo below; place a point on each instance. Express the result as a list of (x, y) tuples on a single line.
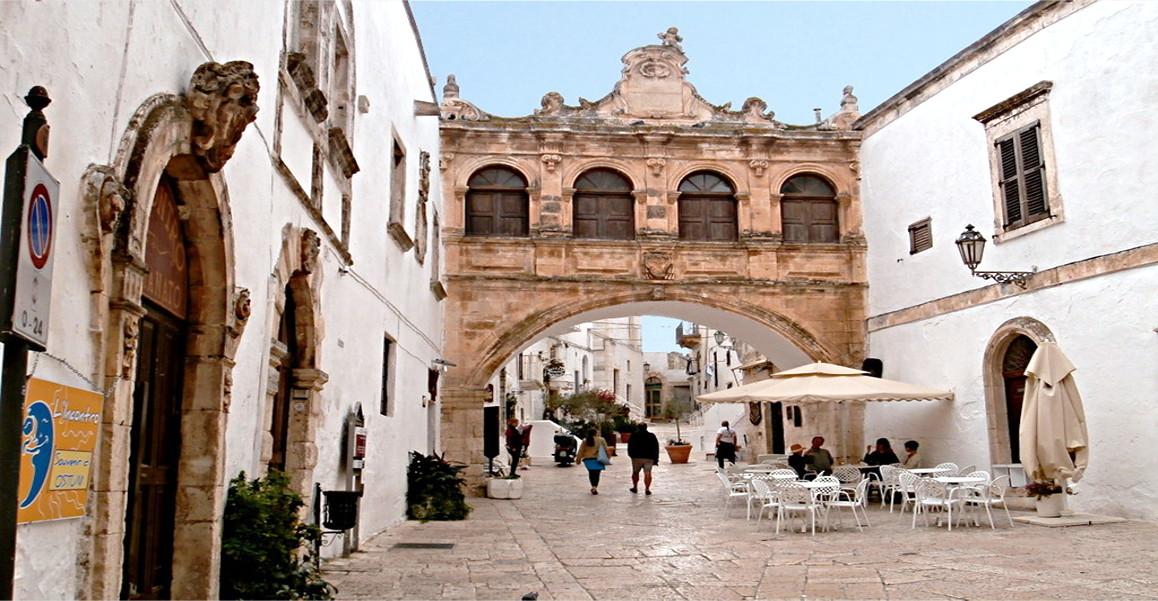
[(1054, 443), (824, 382)]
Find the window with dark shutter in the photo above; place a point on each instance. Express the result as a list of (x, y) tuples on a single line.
[(603, 206), (497, 203), (1022, 167), (920, 236), (707, 208), (808, 210), (386, 407)]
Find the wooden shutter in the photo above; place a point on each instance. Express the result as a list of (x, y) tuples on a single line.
[(480, 213), (1010, 190), (793, 215), (692, 219), (586, 216), (721, 219), (512, 217), (920, 236), (1033, 166), (822, 221)]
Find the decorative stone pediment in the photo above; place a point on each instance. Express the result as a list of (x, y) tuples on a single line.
[(222, 100)]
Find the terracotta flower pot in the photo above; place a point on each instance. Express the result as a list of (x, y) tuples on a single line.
[(679, 453)]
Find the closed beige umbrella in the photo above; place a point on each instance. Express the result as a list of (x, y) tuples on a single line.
[(1054, 443)]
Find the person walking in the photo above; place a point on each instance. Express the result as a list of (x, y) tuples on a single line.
[(725, 444), (643, 449), (589, 454), (514, 439)]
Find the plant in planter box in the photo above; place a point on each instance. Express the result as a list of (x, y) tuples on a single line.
[(434, 489)]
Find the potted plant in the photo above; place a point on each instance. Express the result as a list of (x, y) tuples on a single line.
[(625, 426), (506, 487), (1050, 497), (678, 449), (434, 489)]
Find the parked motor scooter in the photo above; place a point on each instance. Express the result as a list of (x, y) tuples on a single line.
[(565, 447)]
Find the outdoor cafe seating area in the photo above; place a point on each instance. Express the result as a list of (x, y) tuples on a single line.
[(945, 495)]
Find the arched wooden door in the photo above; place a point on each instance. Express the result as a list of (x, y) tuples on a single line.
[(1013, 372), (157, 405)]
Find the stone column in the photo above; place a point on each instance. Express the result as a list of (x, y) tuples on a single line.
[(462, 430), (305, 413)]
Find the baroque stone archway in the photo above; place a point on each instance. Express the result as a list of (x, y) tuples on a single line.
[(708, 225), (187, 138), (996, 414)]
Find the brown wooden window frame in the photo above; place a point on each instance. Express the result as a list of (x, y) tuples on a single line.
[(502, 198), (716, 210), (921, 236), (808, 222), (612, 208)]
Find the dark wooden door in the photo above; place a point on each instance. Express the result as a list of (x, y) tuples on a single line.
[(1014, 398), (154, 452)]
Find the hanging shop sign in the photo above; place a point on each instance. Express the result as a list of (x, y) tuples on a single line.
[(58, 437)]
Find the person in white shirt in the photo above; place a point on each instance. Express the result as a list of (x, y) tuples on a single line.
[(725, 444), (912, 460)]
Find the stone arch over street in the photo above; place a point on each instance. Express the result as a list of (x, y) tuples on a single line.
[(705, 229)]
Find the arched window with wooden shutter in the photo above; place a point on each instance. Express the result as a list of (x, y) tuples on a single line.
[(808, 210), (497, 203), (707, 208), (603, 206)]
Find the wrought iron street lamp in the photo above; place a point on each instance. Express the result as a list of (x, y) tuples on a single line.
[(971, 245)]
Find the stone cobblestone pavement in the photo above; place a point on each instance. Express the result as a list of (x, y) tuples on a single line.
[(565, 543)]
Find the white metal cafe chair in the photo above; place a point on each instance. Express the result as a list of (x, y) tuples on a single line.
[(856, 499), (764, 494), (732, 490), (907, 486), (948, 465), (794, 498), (889, 484), (988, 496), (966, 470), (848, 475), (935, 496)]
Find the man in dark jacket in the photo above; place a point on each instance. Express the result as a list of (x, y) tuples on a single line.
[(514, 439), (643, 449)]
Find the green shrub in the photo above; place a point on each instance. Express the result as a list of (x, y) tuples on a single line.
[(264, 547), (434, 489)]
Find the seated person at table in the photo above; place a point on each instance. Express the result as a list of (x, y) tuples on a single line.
[(883, 455), (912, 460), (796, 460), (818, 460)]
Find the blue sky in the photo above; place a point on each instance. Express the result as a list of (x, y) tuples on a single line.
[(796, 56)]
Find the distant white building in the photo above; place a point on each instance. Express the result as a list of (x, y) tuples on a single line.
[(1040, 136)]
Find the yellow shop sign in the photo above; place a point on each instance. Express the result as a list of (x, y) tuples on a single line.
[(58, 436)]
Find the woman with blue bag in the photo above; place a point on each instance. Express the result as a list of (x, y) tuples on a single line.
[(593, 454)]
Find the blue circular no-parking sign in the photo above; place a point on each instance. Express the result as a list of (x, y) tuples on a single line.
[(39, 227)]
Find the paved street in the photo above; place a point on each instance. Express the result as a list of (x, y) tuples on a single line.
[(564, 543)]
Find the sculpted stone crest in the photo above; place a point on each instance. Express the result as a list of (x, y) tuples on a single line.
[(657, 265), (223, 101)]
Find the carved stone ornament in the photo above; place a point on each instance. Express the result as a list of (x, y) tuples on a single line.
[(457, 109), (658, 293), (657, 265), (656, 165), (242, 306), (550, 161), (758, 166), (223, 101), (552, 104), (105, 194), (311, 249), (129, 345)]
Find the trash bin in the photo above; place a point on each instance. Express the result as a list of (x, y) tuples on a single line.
[(341, 509)]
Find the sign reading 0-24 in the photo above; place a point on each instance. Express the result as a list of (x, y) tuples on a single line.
[(29, 182)]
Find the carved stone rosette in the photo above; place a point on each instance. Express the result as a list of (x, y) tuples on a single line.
[(656, 165), (550, 161), (222, 100)]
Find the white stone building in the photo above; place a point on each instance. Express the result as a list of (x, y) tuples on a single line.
[(252, 245), (1053, 104)]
